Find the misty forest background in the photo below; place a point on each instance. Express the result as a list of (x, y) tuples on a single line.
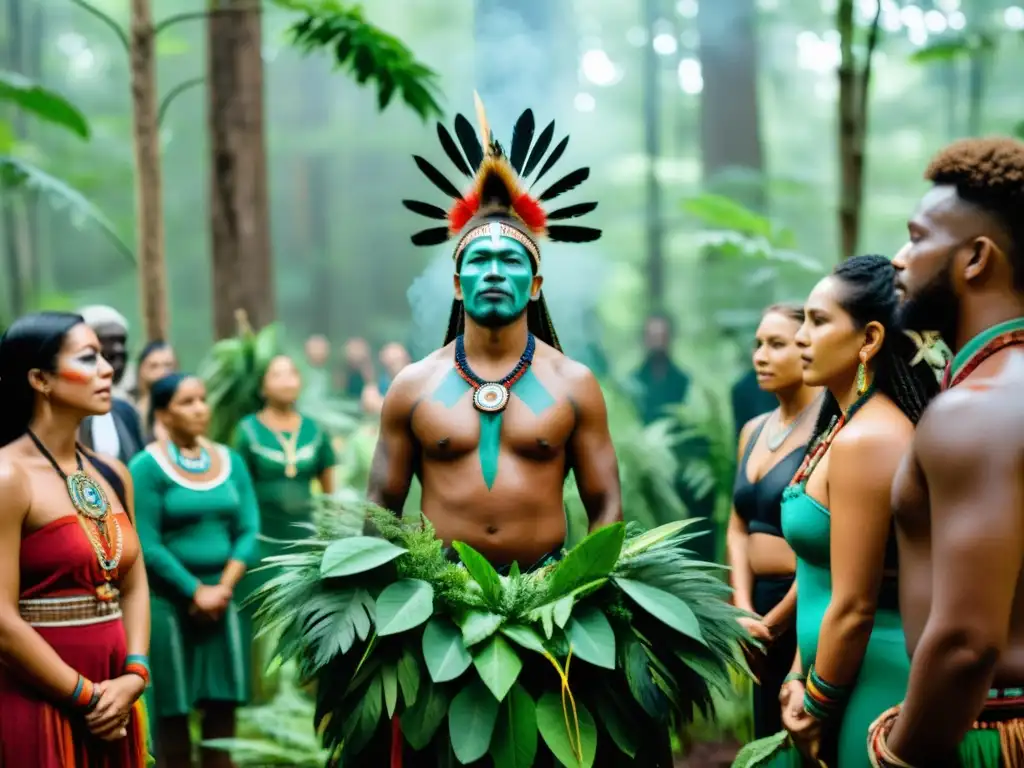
[(182, 160)]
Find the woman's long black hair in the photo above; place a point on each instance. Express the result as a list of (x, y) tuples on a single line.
[(32, 341), (868, 294)]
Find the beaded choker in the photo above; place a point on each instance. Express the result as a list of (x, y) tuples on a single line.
[(194, 465), (492, 396), (94, 515), (821, 445), (980, 348)]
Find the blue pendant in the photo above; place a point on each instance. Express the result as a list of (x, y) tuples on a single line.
[(87, 496)]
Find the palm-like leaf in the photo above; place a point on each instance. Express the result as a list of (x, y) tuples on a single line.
[(368, 53), (42, 103), (16, 174)]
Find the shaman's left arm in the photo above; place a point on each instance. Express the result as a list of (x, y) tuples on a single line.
[(593, 456), (977, 545)]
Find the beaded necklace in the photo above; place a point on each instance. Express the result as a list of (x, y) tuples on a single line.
[(821, 445), (94, 516), (492, 396), (195, 465), (980, 348)]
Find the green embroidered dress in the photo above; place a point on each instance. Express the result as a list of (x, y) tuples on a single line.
[(283, 500), (189, 530)]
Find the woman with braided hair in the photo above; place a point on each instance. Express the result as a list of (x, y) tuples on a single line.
[(851, 661)]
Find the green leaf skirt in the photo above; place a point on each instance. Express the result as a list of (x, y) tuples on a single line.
[(419, 660)]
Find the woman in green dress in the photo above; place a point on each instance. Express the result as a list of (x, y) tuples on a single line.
[(851, 660), (198, 521), (286, 453)]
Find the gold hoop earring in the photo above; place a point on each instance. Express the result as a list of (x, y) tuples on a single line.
[(862, 378)]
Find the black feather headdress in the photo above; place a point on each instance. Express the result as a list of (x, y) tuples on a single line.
[(498, 194), (498, 188)]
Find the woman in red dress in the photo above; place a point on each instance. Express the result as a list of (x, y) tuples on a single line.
[(74, 602)]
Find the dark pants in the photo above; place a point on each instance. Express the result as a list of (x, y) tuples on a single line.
[(768, 592)]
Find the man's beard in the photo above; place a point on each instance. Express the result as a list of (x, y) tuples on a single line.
[(495, 320), (934, 307)]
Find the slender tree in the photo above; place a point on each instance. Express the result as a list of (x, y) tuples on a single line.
[(854, 89)]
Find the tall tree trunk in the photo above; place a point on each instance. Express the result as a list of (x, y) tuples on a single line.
[(17, 239), (652, 148), (148, 181), (854, 88), (239, 209), (730, 118)]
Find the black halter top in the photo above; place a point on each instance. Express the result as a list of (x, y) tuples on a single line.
[(759, 504)]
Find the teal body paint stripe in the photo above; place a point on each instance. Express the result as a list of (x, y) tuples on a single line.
[(451, 389), (528, 389), (532, 393), (490, 446)]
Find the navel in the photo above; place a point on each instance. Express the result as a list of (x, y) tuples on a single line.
[(443, 443)]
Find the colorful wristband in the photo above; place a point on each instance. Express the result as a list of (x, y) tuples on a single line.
[(822, 700), (85, 696), (137, 664), (878, 750)]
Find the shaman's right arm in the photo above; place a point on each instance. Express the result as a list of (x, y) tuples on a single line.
[(393, 458)]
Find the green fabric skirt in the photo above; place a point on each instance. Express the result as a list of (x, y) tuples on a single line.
[(193, 663)]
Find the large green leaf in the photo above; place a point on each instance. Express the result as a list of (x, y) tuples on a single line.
[(481, 571), (551, 719), (421, 720), (444, 650), (403, 605), (477, 626), (617, 720), (357, 554), (514, 744), (389, 681), (590, 560), (525, 637), (720, 212), (663, 606), (16, 175), (43, 103), (498, 665), (362, 722), (408, 676), (471, 720), (591, 637)]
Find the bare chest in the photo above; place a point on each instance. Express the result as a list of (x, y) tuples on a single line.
[(910, 499), (536, 424)]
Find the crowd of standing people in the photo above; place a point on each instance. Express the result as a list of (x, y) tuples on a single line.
[(876, 538)]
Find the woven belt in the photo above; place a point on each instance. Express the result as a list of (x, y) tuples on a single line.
[(76, 611)]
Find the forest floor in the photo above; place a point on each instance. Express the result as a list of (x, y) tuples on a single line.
[(709, 756)]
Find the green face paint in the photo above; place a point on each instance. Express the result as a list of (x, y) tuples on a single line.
[(496, 276)]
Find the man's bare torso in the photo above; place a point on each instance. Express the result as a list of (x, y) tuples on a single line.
[(994, 396), (495, 481)]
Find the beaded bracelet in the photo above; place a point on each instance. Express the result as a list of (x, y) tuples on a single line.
[(85, 696), (822, 700), (878, 750), (137, 664)]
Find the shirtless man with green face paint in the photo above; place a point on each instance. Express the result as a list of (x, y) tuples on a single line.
[(494, 479)]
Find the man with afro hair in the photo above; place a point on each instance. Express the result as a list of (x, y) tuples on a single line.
[(959, 496)]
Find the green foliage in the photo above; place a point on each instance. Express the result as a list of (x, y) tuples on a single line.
[(42, 103), (954, 47), (368, 53), (737, 231), (233, 371), (634, 607)]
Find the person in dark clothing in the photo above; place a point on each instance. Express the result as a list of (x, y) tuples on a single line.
[(659, 382)]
